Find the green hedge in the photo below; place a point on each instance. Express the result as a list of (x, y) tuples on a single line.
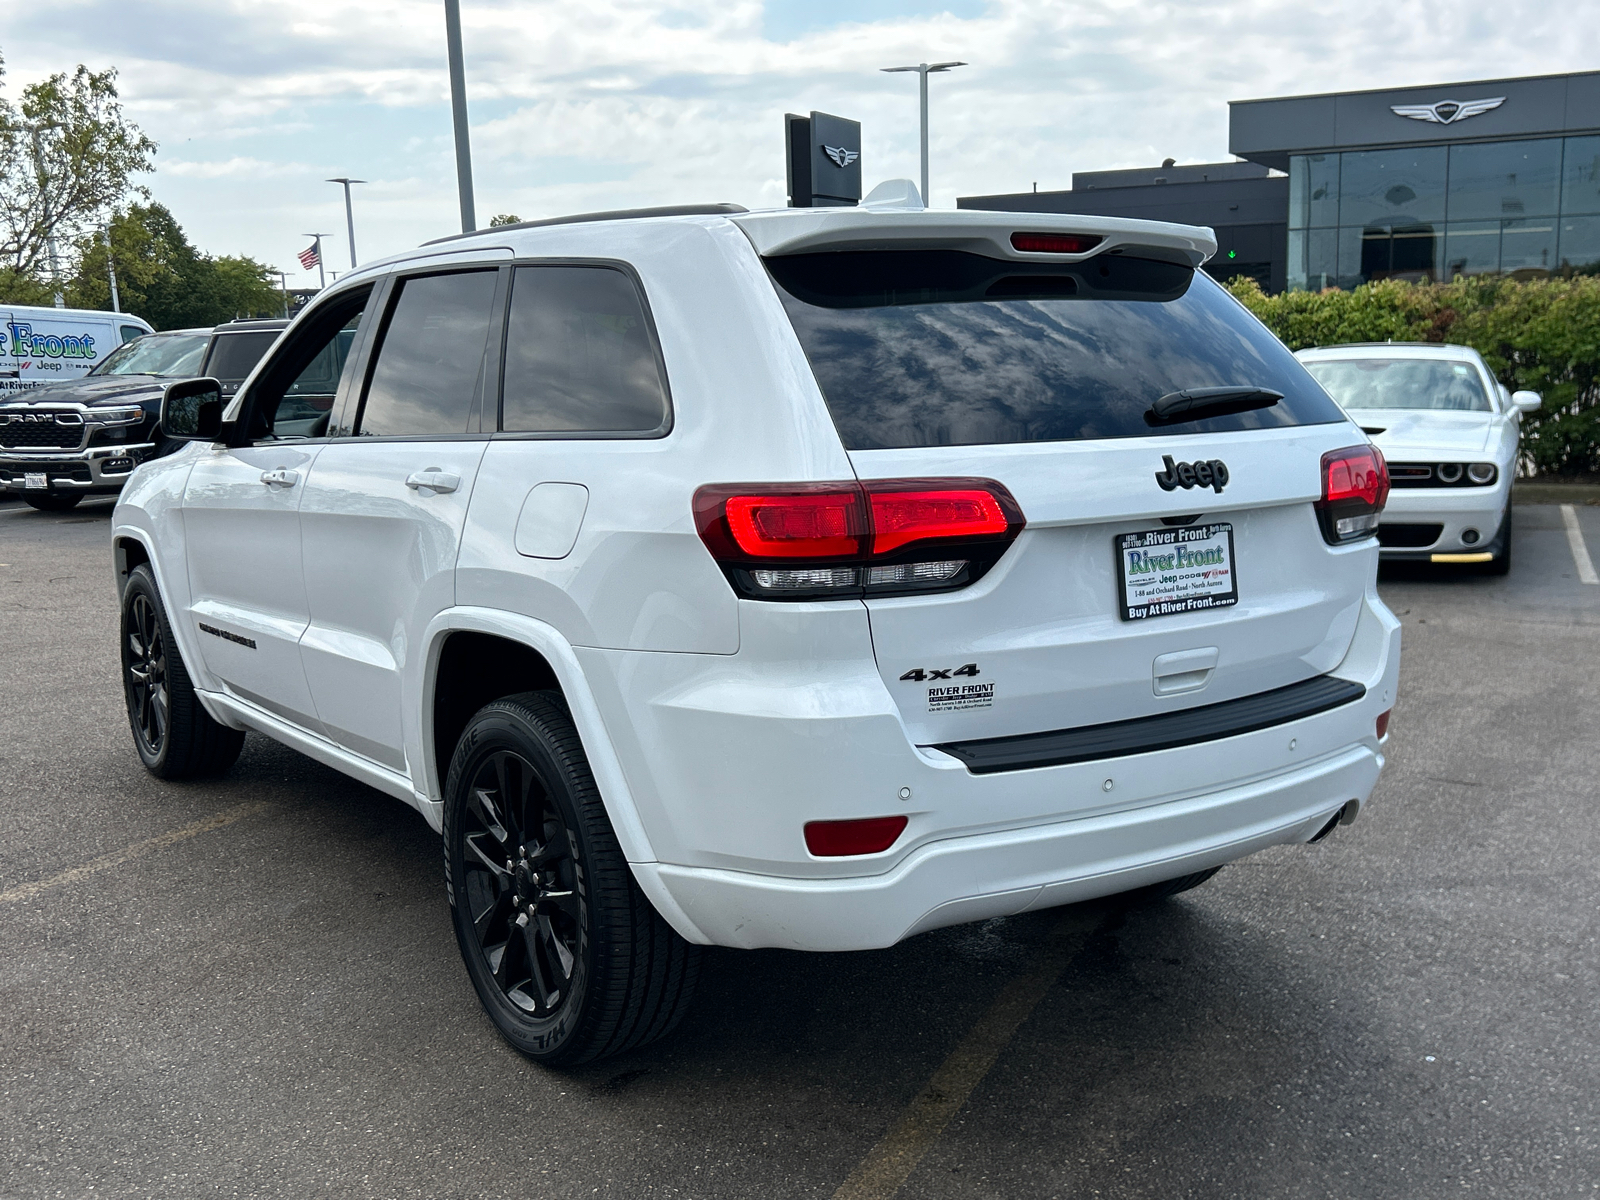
[(1542, 335)]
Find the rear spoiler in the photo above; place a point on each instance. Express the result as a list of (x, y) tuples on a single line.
[(808, 231)]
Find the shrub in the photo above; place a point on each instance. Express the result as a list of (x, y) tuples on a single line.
[(1541, 335)]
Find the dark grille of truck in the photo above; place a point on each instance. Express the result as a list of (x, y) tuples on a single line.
[(18, 435), (1144, 735)]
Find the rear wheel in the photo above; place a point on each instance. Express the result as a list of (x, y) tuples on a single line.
[(1154, 892), (52, 501), (567, 955), (176, 737)]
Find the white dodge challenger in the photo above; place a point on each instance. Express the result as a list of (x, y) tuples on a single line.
[(1450, 433)]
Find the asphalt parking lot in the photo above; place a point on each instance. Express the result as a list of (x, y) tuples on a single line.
[(250, 987)]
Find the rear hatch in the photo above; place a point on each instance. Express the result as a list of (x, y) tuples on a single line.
[(1165, 563)]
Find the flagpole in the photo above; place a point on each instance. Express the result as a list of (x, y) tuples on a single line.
[(322, 279)]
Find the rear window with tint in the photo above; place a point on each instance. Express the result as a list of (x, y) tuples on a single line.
[(946, 348)]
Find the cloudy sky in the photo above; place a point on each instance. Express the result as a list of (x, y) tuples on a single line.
[(579, 105)]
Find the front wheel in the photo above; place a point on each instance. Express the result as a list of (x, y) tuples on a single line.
[(567, 955), (52, 501), (175, 736)]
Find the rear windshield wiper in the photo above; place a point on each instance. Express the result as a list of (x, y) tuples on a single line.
[(1193, 404)]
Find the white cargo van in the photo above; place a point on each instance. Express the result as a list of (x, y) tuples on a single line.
[(52, 345)]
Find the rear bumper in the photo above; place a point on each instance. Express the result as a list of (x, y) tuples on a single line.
[(726, 768), (955, 880), (99, 469)]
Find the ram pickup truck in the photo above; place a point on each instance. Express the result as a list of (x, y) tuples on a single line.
[(84, 436)]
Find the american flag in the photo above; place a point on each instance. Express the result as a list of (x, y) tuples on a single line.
[(309, 256)]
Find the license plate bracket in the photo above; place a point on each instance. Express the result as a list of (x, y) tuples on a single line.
[(1165, 572)]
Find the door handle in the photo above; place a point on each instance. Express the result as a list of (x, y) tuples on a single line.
[(280, 478), (434, 480)]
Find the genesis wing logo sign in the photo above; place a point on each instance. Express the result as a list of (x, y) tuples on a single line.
[(1446, 112), (841, 157)]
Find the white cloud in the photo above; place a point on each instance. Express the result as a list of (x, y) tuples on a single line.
[(610, 103)]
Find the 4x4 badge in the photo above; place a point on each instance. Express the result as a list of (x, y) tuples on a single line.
[(1211, 473)]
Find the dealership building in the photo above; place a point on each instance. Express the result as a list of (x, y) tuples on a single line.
[(1498, 176)]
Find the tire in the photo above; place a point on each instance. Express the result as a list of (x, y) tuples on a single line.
[(175, 736), (1156, 892), (567, 955), (53, 501)]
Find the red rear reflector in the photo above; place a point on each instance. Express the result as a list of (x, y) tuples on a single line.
[(902, 517), (1055, 243), (836, 839), (1383, 723), (816, 525)]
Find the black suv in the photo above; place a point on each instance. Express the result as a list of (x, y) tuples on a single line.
[(84, 437)]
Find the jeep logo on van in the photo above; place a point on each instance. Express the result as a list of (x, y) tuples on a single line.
[(1211, 473)]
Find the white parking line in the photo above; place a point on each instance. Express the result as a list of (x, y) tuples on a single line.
[(1580, 552)]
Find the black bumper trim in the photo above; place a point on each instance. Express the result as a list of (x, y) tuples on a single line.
[(1143, 735)]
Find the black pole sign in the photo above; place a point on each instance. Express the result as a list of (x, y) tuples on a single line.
[(824, 159)]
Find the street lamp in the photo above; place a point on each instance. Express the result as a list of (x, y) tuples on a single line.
[(458, 111), (349, 215), (923, 70)]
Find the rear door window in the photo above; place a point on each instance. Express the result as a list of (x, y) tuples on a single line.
[(580, 355), (948, 348), (430, 362)]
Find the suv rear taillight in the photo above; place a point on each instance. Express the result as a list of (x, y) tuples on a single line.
[(813, 541), (1355, 484)]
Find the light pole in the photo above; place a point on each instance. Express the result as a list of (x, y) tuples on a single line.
[(283, 282), (458, 110), (349, 215), (46, 217), (923, 70), (111, 269)]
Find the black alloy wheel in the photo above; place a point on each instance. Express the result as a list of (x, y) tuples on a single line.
[(521, 884), (567, 955), (175, 736), (144, 663)]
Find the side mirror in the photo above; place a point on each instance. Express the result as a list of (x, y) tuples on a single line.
[(1527, 401), (191, 411)]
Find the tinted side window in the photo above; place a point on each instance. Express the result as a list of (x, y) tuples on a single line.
[(579, 356), (431, 360)]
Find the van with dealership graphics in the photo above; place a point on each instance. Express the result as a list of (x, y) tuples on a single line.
[(55, 345)]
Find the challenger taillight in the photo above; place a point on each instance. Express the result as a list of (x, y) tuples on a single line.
[(1355, 485), (812, 541)]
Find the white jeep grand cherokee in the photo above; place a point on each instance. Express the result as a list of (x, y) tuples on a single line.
[(806, 578)]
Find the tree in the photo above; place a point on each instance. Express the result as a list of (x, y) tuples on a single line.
[(504, 219), (66, 158), (164, 279)]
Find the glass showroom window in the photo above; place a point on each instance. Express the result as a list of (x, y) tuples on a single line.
[(1580, 176), (1580, 243), (1505, 180)]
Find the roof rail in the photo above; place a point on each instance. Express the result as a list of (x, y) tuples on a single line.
[(620, 214)]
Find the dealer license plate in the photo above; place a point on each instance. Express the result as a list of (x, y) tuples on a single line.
[(1170, 571), (32, 482)]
